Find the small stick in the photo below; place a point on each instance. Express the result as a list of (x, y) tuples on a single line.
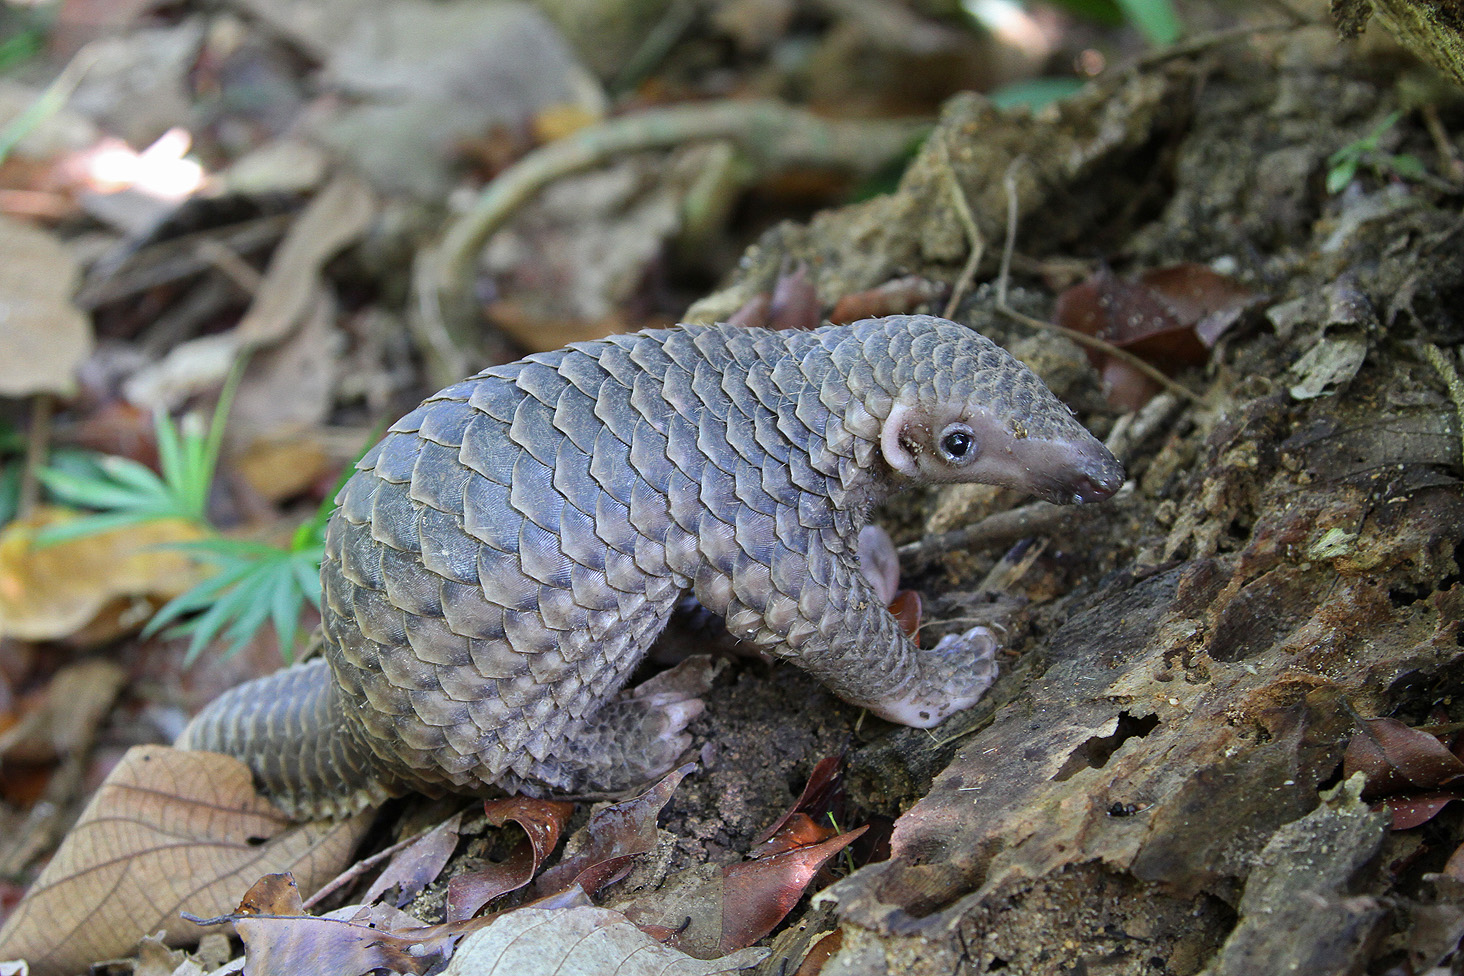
[(973, 233), (1081, 338)]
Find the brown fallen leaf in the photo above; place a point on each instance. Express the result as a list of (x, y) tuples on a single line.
[(72, 705), (907, 608), (759, 894), (418, 864), (289, 295), (604, 847), (336, 216), (898, 297), (1395, 758), (539, 942), (1169, 316), (713, 910), (167, 830), (822, 795), (44, 336), (1413, 811), (792, 304), (542, 822), (279, 938), (50, 592)]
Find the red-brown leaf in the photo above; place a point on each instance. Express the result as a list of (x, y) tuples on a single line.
[(542, 822), (758, 894), (822, 794), (1411, 811), (1394, 757), (418, 864)]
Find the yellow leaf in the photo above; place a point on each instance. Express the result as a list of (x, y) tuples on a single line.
[(48, 592)]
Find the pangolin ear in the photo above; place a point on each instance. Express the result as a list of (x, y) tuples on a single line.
[(893, 441)]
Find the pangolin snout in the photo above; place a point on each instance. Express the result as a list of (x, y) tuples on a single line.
[(1097, 477)]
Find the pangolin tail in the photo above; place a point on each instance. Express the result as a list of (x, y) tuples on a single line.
[(287, 727)]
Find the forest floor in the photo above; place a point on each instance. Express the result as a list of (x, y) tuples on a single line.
[(1225, 733)]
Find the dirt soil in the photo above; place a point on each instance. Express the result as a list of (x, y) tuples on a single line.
[(1155, 784)]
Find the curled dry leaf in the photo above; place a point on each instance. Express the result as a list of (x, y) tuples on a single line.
[(43, 336), (712, 910), (793, 304), (612, 837), (542, 822), (538, 942), (50, 592), (822, 795), (168, 830), (907, 608)]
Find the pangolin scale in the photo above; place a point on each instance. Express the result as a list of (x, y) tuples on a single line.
[(502, 559)]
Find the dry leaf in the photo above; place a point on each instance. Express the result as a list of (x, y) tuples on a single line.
[(279, 938), (288, 294), (539, 942), (49, 592), (168, 830), (418, 864), (898, 297), (613, 836), (542, 821), (758, 894), (822, 795), (1394, 757), (1413, 811), (1169, 316), (43, 336), (282, 468), (74, 703), (337, 215), (793, 305), (276, 946)]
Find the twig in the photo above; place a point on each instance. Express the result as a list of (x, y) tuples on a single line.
[(1443, 145), (1009, 183), (1441, 364), (974, 238), (1002, 529), (771, 133), (1219, 38)]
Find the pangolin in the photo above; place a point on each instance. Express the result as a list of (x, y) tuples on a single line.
[(501, 560)]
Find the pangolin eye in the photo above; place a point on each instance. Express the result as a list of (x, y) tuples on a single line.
[(957, 444)]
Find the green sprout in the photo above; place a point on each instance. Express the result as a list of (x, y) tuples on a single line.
[(255, 583), (1342, 165)]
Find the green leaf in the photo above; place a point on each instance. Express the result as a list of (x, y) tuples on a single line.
[(1341, 174), (1406, 166), (9, 491), (1155, 19), (1034, 93), (256, 584)]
